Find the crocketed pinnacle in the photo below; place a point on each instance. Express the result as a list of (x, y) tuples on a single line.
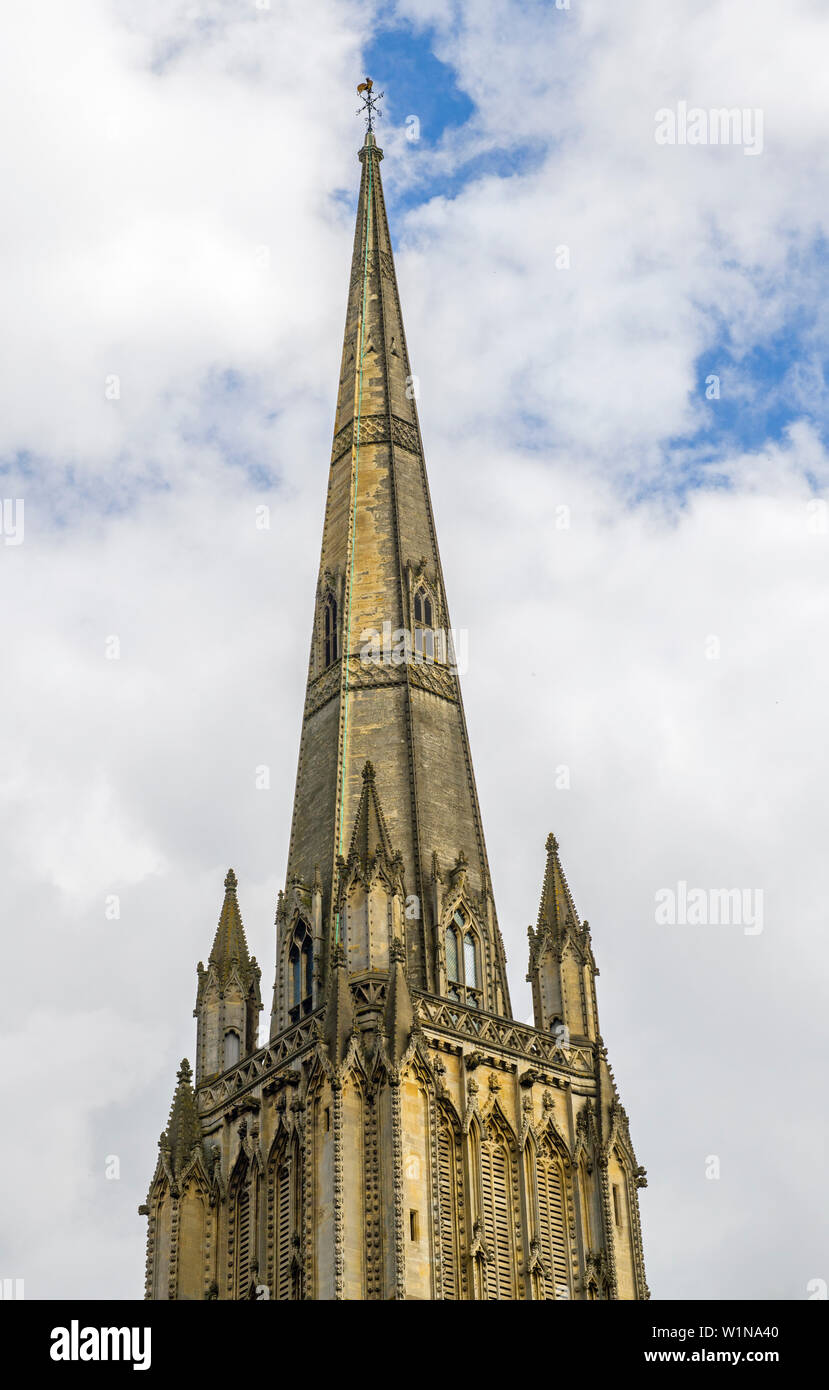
[(557, 907), (229, 945), (398, 1019), (370, 833), (183, 1130), (339, 1011)]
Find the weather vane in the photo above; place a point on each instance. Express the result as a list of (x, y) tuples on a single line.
[(365, 90)]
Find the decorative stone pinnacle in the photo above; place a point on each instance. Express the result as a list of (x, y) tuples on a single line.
[(184, 1072), (368, 772), (231, 881), (552, 843)]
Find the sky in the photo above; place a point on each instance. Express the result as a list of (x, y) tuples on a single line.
[(621, 346)]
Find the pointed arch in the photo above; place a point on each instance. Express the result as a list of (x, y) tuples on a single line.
[(586, 1208), (450, 1201), (284, 1178), (621, 1190), (463, 954), (553, 1182), (427, 634), (300, 971), (161, 1209), (232, 1048), (330, 629), (193, 1219), (498, 1197), (242, 1227)]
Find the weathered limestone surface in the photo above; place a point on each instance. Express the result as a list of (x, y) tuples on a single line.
[(399, 1136)]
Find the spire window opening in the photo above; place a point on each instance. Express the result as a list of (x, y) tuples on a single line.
[(330, 642), (428, 643), (452, 962), (233, 1048), (301, 961), (463, 970)]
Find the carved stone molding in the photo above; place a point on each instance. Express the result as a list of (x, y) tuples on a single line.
[(437, 679), (376, 429), (323, 689)]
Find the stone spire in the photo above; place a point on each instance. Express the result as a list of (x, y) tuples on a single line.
[(557, 909), (374, 692), (561, 969), (230, 948), (368, 1151), (228, 998), (230, 945), (183, 1131)]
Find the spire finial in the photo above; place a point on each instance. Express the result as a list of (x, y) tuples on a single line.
[(369, 106)]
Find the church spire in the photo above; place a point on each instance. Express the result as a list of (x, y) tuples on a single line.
[(562, 970), (230, 948), (399, 1136), (228, 1000), (183, 1132), (557, 908), (382, 679)]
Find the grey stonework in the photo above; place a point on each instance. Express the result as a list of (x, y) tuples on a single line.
[(400, 1135)]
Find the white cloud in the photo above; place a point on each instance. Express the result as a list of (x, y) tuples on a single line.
[(152, 155)]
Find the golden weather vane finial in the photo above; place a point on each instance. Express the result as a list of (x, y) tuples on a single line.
[(369, 106)]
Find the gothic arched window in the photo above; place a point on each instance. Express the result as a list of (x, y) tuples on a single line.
[(463, 969), (452, 970), (497, 1194), (283, 1227), (553, 1222), (233, 1047), (470, 961), (427, 642), (301, 961), (243, 1229), (330, 639), (585, 1203), (448, 1187)]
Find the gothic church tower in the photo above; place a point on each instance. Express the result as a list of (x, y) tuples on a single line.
[(399, 1135)]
